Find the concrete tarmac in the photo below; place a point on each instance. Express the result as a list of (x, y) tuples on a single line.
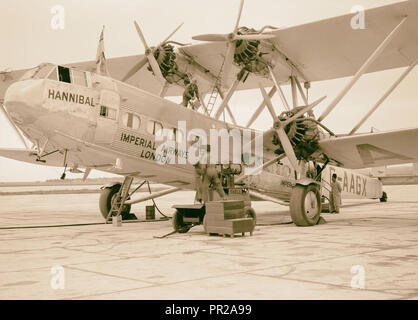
[(368, 251)]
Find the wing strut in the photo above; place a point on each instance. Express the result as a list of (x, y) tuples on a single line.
[(294, 91), (279, 89), (261, 107), (363, 69), (205, 108), (228, 109), (226, 98), (164, 89), (268, 103), (383, 98)]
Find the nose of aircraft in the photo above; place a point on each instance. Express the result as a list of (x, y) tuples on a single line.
[(23, 100)]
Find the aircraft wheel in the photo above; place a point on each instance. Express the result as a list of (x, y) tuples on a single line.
[(384, 197), (105, 202), (178, 223), (250, 213), (305, 205)]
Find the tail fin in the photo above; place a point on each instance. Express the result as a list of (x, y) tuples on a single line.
[(101, 66)]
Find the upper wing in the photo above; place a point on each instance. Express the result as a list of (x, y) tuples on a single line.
[(373, 149), (320, 50), (331, 48)]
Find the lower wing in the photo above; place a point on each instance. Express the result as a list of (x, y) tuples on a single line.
[(373, 149)]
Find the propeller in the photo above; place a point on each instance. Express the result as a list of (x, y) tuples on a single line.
[(149, 56), (231, 38)]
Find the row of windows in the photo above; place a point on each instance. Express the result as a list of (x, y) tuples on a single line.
[(133, 121)]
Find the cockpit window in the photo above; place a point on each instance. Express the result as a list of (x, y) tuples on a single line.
[(79, 78), (64, 74)]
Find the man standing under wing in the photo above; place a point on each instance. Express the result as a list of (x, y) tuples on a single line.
[(335, 195)]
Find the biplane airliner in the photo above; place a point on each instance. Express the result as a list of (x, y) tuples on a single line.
[(109, 114)]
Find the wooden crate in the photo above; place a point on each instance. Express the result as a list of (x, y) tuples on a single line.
[(227, 218), (221, 206), (231, 227)]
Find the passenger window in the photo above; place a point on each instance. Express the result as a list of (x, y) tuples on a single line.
[(131, 120), (158, 128), (64, 74), (154, 127), (79, 78), (107, 112)]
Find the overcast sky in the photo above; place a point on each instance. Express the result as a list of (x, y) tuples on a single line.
[(27, 39)]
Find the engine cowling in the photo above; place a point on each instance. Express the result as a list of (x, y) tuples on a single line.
[(303, 134), (248, 53)]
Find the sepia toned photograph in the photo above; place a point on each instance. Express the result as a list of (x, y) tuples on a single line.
[(207, 151)]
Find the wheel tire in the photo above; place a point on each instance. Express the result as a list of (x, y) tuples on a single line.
[(178, 223), (384, 197), (302, 216), (250, 213), (105, 202)]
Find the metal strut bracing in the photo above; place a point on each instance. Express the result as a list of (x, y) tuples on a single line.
[(362, 69), (123, 196), (226, 98), (119, 199), (383, 98)]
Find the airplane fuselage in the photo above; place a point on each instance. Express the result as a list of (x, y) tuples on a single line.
[(77, 110)]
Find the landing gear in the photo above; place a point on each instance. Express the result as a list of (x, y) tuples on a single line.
[(305, 205), (384, 197), (108, 195)]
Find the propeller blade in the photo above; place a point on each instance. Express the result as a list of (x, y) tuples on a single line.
[(171, 34), (287, 147), (138, 66), (229, 60), (141, 36), (261, 36), (211, 37), (150, 55), (156, 68), (303, 111), (239, 16)]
